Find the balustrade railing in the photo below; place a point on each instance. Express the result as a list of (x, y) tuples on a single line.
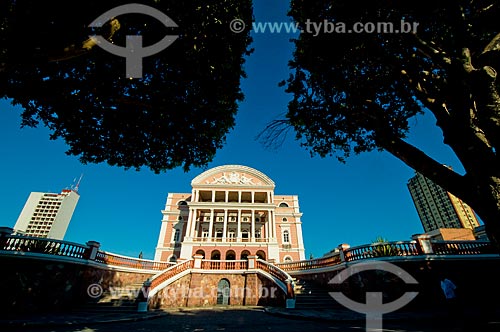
[(228, 239), (43, 246), (311, 263), (171, 272), (224, 265), (385, 249), (278, 273), (136, 263), (21, 243), (462, 247)]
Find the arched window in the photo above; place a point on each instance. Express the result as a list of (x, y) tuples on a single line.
[(288, 259), (284, 219), (215, 255), (245, 254), (286, 236), (230, 255), (283, 204), (173, 259), (200, 252), (182, 203)]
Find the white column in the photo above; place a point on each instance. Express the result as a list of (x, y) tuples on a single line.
[(252, 236), (197, 195), (266, 233), (193, 222), (253, 196), (213, 196), (211, 225), (227, 196), (224, 231), (271, 225), (189, 223), (269, 197), (239, 196), (198, 229), (239, 226)]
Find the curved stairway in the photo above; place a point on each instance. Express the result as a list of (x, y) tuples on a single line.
[(311, 295), (123, 299)]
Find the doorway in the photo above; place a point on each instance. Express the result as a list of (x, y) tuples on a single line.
[(223, 292)]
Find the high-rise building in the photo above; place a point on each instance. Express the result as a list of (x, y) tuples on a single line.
[(47, 215), (231, 213), (438, 208)]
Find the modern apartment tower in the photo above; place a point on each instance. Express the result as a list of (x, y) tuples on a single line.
[(47, 215), (438, 208)]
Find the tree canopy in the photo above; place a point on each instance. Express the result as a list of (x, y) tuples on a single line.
[(177, 114), (356, 92)]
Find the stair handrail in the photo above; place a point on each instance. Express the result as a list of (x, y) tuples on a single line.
[(309, 264), (170, 272), (108, 258), (279, 274)]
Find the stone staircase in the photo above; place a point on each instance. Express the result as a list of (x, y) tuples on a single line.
[(118, 299), (311, 295)]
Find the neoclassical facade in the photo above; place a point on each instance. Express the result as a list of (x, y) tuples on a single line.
[(231, 213)]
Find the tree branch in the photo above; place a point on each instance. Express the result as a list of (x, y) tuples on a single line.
[(427, 166), (86, 46), (493, 45), (433, 53), (274, 134)]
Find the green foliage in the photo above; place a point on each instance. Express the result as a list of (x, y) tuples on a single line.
[(361, 91), (358, 92), (177, 114), (382, 248)]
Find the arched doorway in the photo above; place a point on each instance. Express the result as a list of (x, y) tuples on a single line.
[(200, 252), (245, 254), (261, 254), (173, 259), (230, 255), (215, 255), (223, 292)]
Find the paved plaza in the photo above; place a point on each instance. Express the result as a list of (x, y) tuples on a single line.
[(245, 319)]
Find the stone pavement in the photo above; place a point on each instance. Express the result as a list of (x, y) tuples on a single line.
[(87, 318), (75, 318)]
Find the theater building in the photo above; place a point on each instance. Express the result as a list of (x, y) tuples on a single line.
[(231, 213)]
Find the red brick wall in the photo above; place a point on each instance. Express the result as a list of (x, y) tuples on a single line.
[(200, 289)]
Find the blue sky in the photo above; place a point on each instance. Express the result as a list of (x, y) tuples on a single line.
[(350, 203)]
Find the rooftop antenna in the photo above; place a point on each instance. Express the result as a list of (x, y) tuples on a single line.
[(77, 185)]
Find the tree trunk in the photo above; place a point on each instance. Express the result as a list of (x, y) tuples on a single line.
[(487, 206)]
